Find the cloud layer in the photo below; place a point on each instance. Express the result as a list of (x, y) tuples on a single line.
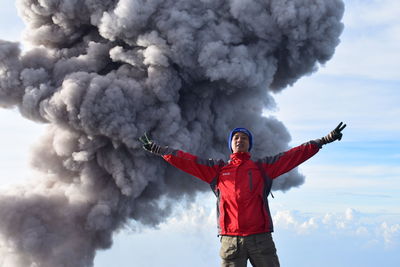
[(345, 238)]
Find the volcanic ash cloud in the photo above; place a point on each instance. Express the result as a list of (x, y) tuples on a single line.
[(100, 73)]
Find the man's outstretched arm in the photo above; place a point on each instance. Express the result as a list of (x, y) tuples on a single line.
[(286, 161), (204, 169)]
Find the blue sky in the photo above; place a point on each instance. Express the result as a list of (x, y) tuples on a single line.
[(346, 214)]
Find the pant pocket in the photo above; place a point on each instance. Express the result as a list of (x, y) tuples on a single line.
[(229, 247), (265, 244)]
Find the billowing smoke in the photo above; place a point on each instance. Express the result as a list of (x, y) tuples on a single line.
[(100, 73)]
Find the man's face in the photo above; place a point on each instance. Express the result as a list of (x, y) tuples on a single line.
[(240, 142)]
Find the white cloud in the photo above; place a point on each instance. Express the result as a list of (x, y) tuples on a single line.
[(191, 235), (349, 224), (350, 214), (391, 234), (285, 218), (193, 219), (192, 231), (382, 230)]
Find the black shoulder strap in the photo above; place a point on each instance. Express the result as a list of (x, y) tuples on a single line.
[(213, 186), (214, 181), (267, 180)]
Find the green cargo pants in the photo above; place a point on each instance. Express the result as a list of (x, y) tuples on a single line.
[(259, 249)]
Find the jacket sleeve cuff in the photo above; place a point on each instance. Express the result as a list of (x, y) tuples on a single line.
[(319, 142)]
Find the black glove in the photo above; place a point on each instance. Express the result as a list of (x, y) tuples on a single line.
[(334, 135), (150, 146)]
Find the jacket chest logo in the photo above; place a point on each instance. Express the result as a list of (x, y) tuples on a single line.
[(226, 173)]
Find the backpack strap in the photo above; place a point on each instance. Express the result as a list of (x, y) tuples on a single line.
[(213, 186), (214, 181), (267, 180)]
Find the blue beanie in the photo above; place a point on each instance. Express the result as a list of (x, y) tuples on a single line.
[(242, 130)]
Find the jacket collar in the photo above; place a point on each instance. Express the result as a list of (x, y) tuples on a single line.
[(239, 157)]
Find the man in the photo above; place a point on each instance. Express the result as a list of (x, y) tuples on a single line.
[(242, 186)]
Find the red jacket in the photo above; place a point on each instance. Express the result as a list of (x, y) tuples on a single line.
[(240, 186)]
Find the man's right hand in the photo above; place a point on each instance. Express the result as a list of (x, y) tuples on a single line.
[(146, 142), (150, 146)]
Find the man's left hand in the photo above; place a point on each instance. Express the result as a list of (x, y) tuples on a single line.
[(336, 134)]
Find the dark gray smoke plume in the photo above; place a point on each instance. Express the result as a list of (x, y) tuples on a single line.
[(103, 72)]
